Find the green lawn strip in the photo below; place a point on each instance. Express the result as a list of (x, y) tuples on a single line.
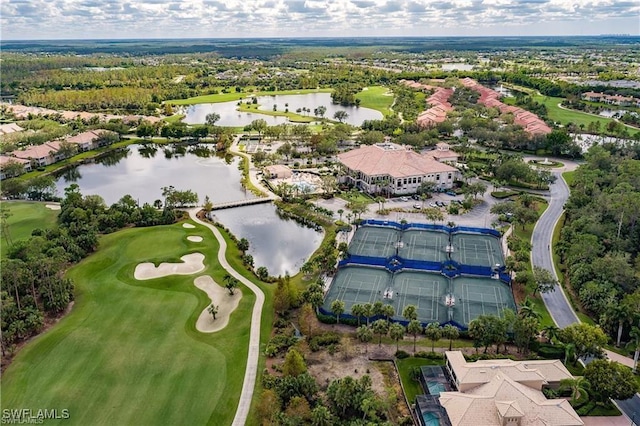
[(525, 234), (129, 352), (226, 97), (174, 118), (25, 217), (379, 98), (411, 387), (569, 177), (292, 116), (358, 197), (566, 116)]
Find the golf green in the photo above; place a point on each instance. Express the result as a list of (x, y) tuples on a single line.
[(25, 216), (128, 353)]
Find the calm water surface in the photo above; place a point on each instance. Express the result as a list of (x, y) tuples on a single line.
[(280, 245), (196, 114)]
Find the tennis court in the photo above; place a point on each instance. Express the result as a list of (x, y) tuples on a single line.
[(357, 284), (374, 241), (476, 249), (480, 296), (426, 291), (419, 244)]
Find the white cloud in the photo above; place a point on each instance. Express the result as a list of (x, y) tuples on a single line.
[(34, 19)]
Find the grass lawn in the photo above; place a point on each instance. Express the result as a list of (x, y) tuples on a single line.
[(569, 177), (379, 98), (226, 97), (565, 116), (292, 116), (174, 118), (25, 217), (128, 353), (411, 387)]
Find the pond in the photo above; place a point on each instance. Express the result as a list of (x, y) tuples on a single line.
[(196, 114), (141, 171), (281, 245)]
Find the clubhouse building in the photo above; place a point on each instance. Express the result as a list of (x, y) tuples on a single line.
[(396, 170)]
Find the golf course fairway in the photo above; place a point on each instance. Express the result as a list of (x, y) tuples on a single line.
[(129, 353)]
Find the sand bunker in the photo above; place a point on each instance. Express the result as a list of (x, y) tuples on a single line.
[(192, 263), (188, 226), (222, 299), (194, 238), (53, 206)]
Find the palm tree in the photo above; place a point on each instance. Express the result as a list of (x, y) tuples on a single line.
[(450, 332), (380, 327), (620, 313), (550, 332), (388, 311), (528, 309), (357, 310), (415, 328), (569, 353), (635, 341), (410, 312), (213, 310), (340, 212), (337, 307), (434, 333), (578, 386), (396, 331), (367, 311), (230, 283), (365, 334)]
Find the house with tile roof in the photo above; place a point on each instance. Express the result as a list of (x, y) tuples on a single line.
[(388, 167), (86, 141), (6, 160), (505, 392), (40, 155), (5, 129)]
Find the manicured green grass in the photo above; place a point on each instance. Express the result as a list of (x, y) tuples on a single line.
[(128, 353), (379, 98), (359, 197), (566, 116), (174, 118), (25, 217), (411, 387), (292, 116), (569, 177), (226, 97)]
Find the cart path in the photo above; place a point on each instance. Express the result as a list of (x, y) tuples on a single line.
[(251, 371)]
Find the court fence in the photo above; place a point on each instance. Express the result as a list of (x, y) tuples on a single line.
[(449, 268), (430, 227)]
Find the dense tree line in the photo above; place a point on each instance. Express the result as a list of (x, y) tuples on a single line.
[(600, 240), (34, 286)]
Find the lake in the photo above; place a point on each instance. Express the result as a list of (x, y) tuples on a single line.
[(141, 171), (196, 114)]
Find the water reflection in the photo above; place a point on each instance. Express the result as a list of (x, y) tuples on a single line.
[(276, 242), (306, 104)]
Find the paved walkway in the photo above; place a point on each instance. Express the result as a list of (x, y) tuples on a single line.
[(254, 339)]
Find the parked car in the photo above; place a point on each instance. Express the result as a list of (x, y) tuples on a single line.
[(453, 194), (417, 206), (433, 205), (404, 199)]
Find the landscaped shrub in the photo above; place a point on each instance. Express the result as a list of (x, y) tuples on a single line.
[(325, 339), (429, 355), (402, 354), (278, 344), (551, 351), (327, 319)]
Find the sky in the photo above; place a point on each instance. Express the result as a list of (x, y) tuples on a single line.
[(110, 19)]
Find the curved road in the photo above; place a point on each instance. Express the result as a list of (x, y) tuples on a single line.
[(250, 373), (541, 255)]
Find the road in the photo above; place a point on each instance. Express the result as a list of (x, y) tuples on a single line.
[(250, 374), (556, 301)]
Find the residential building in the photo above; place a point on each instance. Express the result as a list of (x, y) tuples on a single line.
[(86, 141), (611, 99), (530, 122), (393, 169), (40, 155), (4, 160), (505, 392), (5, 129)]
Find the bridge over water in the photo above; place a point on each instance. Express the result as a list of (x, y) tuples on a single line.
[(239, 203)]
